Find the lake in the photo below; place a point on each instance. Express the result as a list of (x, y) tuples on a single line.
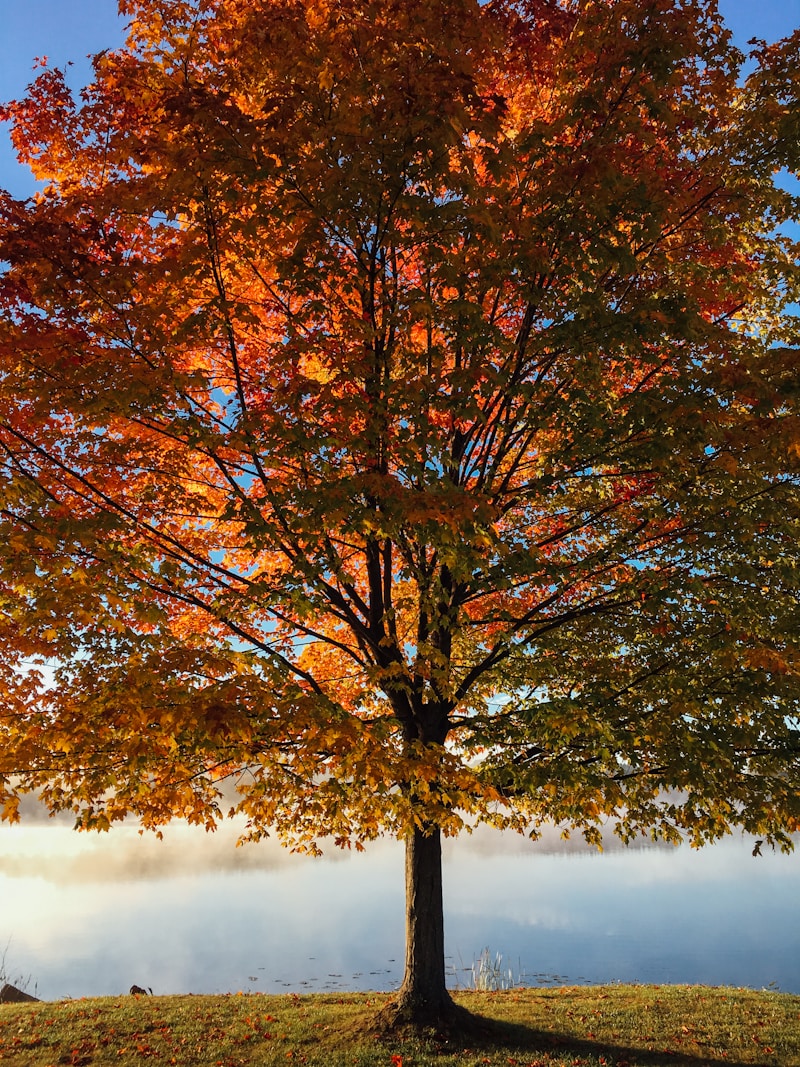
[(88, 915)]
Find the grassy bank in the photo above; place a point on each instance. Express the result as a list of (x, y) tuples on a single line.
[(591, 1026)]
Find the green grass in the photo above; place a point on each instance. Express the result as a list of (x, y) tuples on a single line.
[(587, 1026)]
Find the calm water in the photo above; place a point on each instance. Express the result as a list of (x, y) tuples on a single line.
[(87, 915)]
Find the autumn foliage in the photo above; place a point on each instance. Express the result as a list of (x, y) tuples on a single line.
[(399, 418)]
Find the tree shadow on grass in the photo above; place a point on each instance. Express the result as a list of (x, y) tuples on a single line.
[(529, 1039), (480, 1034)]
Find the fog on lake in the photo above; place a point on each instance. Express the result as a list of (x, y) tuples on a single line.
[(87, 915)]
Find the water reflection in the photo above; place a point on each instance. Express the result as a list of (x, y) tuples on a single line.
[(90, 915)]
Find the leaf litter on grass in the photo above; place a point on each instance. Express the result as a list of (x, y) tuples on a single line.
[(611, 1026)]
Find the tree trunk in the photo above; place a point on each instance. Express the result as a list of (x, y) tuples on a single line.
[(423, 1000)]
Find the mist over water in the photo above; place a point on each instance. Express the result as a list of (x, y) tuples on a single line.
[(86, 915)]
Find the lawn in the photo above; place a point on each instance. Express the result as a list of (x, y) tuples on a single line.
[(587, 1026)]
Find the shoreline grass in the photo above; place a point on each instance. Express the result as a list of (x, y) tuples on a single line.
[(573, 1026)]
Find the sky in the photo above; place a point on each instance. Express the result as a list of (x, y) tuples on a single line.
[(70, 30)]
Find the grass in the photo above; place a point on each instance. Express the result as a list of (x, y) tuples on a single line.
[(586, 1026), (489, 973)]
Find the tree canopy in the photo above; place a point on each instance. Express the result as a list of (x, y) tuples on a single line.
[(399, 417)]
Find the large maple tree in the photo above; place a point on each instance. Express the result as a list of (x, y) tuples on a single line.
[(399, 418)]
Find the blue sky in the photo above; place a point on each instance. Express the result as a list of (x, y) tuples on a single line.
[(69, 30)]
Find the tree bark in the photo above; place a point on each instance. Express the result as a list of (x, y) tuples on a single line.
[(423, 999)]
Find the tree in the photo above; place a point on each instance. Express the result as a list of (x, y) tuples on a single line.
[(400, 418)]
